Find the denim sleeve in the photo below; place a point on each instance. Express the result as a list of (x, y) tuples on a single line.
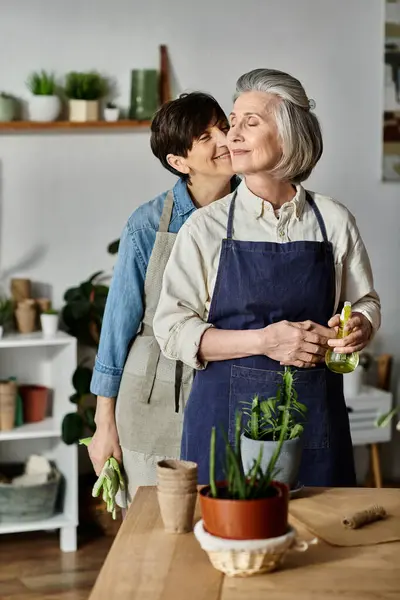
[(123, 313)]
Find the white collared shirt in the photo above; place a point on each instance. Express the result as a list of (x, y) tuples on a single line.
[(189, 278)]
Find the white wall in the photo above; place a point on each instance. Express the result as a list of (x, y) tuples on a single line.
[(65, 196)]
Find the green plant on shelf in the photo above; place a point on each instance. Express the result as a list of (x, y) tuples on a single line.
[(111, 105), (84, 309), (77, 424), (6, 310), (50, 311), (85, 86), (41, 83)]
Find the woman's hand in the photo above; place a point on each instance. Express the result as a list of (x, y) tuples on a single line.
[(302, 344), (105, 441), (360, 330)]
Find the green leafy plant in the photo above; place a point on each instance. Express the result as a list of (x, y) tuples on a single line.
[(386, 419), (256, 483), (266, 417), (111, 105), (84, 310), (50, 311), (41, 83), (6, 96), (85, 86), (6, 310), (75, 424)]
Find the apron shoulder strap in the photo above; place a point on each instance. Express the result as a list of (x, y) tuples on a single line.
[(229, 227), (166, 213), (317, 213)]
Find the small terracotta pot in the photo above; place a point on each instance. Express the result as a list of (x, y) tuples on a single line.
[(34, 400), (246, 519), (8, 401)]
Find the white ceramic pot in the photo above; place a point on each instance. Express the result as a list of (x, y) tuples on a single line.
[(49, 324), (81, 111), (111, 114), (44, 108), (353, 382)]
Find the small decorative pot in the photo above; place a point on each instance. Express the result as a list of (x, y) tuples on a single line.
[(81, 111), (111, 114), (49, 324), (288, 463), (44, 108), (8, 109), (25, 315)]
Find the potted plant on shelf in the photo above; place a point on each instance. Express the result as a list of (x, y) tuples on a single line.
[(76, 425), (6, 313), (84, 90), (264, 426), (8, 107), (111, 112), (49, 322), (44, 104)]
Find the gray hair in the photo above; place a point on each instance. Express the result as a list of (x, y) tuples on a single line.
[(298, 127)]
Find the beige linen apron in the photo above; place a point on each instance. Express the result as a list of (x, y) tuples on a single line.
[(154, 389)]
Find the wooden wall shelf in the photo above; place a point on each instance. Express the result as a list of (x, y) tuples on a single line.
[(67, 126)]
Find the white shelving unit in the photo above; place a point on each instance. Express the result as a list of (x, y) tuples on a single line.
[(51, 362), (363, 411)]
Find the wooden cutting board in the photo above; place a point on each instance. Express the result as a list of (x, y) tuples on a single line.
[(322, 511)]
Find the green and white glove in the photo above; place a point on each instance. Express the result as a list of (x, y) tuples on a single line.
[(109, 481)]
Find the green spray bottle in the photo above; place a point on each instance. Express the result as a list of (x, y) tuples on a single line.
[(342, 363)]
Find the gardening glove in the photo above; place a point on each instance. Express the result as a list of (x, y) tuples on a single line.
[(109, 482)]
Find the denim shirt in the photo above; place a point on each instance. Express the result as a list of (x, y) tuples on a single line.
[(124, 308)]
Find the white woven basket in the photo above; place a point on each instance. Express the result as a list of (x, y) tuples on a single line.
[(243, 558)]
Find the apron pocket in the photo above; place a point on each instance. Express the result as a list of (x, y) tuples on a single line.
[(310, 385)]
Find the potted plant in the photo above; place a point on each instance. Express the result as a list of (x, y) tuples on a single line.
[(8, 107), (111, 112), (49, 322), (44, 104), (249, 504), (263, 429), (6, 313), (84, 90), (76, 425)]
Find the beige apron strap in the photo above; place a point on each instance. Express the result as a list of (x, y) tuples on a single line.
[(155, 351), (166, 213)]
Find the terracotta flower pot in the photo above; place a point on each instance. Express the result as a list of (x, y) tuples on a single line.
[(246, 519), (8, 400), (34, 400)]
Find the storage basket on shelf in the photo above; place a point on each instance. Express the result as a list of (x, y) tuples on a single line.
[(27, 503)]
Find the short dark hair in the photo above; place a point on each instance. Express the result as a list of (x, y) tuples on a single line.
[(179, 122)]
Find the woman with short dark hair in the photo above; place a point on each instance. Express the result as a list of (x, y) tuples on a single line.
[(188, 136)]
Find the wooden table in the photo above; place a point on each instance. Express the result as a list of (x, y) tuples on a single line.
[(145, 563)]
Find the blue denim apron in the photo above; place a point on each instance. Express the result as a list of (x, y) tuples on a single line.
[(259, 283)]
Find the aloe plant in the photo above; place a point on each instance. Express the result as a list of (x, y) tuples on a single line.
[(265, 417), (41, 83), (256, 483)]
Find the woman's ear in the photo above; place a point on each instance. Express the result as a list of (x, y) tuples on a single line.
[(178, 163)]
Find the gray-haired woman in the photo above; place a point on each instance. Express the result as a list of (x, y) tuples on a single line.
[(255, 281)]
